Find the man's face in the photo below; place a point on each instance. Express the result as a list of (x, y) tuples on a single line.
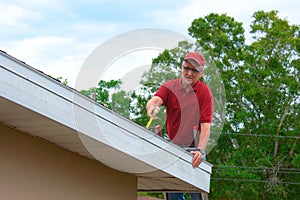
[(190, 74)]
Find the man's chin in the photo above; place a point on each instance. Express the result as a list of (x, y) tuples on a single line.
[(188, 81)]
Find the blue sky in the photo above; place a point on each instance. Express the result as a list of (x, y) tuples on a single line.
[(57, 36)]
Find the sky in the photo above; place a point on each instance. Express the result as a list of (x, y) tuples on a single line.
[(56, 36)]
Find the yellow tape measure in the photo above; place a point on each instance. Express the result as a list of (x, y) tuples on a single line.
[(151, 118)]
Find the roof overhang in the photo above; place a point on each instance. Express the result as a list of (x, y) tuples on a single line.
[(39, 105)]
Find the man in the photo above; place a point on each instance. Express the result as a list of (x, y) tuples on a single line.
[(189, 103)]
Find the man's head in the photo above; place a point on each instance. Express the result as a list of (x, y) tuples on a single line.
[(192, 68)]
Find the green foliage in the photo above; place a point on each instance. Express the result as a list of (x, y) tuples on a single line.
[(262, 92), (103, 90), (138, 109), (90, 92), (121, 101), (64, 82), (157, 194)]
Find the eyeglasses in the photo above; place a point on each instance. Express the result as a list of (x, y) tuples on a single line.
[(194, 71)]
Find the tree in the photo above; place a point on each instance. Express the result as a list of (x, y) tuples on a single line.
[(262, 92), (102, 93), (121, 103)]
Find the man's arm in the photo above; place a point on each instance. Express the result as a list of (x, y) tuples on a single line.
[(204, 135), (153, 104)]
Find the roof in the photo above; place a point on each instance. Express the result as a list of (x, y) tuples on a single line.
[(41, 106)]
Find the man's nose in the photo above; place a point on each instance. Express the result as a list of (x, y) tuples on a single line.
[(190, 72)]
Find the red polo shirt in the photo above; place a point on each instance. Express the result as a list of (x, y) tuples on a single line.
[(185, 109)]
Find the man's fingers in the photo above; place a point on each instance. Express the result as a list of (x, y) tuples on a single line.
[(153, 110), (197, 158)]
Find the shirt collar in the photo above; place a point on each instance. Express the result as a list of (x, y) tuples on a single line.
[(194, 88)]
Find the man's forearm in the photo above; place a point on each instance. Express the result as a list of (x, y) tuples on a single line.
[(204, 136)]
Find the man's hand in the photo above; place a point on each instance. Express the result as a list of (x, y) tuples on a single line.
[(197, 158), (152, 111), (152, 105), (155, 110)]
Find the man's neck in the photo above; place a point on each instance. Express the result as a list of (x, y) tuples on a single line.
[(186, 86)]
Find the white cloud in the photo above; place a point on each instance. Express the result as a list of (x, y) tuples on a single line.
[(129, 62), (37, 5), (55, 56), (240, 11), (92, 30), (15, 16), (41, 46)]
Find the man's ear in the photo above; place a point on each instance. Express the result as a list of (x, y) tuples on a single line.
[(201, 73)]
